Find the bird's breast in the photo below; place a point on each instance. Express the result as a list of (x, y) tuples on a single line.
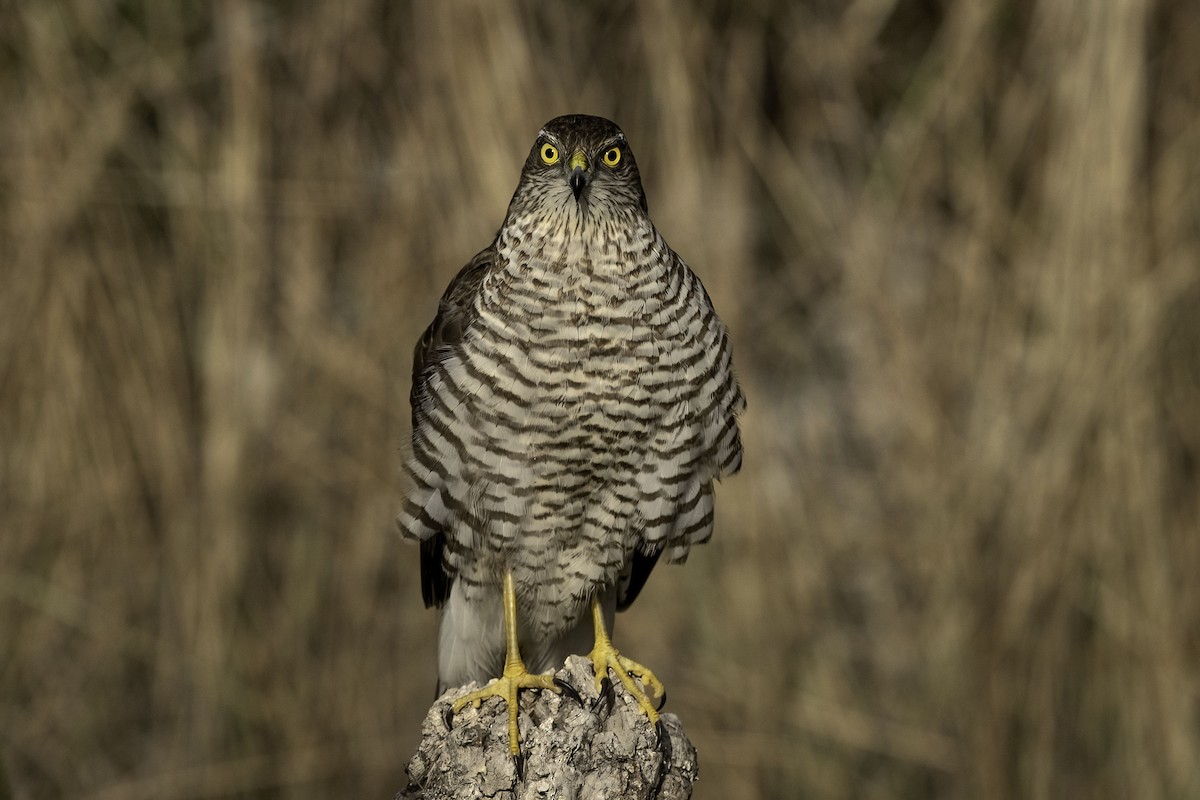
[(580, 342)]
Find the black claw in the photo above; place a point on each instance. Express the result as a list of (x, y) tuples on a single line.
[(662, 701), (448, 717), (664, 747), (607, 695), (569, 690), (664, 741), (519, 766)]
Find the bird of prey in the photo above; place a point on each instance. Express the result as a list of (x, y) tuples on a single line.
[(573, 401)]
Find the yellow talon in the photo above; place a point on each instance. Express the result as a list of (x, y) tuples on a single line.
[(605, 657), (515, 677)]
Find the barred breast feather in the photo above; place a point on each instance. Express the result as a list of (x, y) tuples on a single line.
[(564, 420)]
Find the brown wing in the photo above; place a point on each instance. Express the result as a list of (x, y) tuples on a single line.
[(640, 567), (440, 339)]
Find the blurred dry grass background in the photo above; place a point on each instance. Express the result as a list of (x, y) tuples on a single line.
[(958, 244)]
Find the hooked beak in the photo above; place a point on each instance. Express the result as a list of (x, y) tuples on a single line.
[(578, 167)]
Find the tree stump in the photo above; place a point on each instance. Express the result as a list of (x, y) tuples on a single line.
[(591, 751)]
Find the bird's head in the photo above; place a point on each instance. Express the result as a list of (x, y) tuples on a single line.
[(581, 161)]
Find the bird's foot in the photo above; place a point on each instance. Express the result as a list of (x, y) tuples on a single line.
[(514, 679), (605, 657)]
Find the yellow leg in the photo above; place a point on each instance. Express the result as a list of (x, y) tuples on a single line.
[(605, 657), (515, 676)]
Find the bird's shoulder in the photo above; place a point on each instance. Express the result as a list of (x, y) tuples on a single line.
[(453, 314)]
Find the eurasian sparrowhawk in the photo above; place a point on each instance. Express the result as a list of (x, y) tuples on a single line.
[(572, 403)]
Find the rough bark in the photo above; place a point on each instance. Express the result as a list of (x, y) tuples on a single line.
[(597, 750)]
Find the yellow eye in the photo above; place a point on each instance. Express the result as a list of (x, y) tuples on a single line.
[(549, 153), (612, 156)]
